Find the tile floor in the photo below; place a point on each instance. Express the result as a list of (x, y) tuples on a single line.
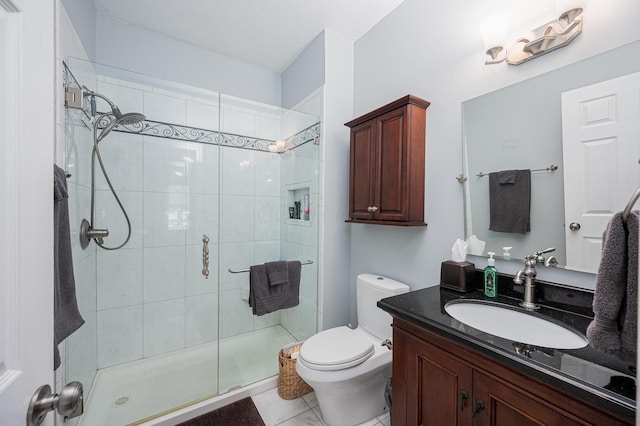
[(276, 411)]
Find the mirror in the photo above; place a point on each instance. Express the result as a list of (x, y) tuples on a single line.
[(520, 127)]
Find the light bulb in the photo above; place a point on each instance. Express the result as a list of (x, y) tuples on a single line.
[(494, 30)]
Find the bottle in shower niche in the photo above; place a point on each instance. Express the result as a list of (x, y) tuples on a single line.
[(491, 278), (306, 208)]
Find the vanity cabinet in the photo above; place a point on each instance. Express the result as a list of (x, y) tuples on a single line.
[(439, 382), (387, 158)]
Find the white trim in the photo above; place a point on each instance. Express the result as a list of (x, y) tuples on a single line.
[(9, 214)]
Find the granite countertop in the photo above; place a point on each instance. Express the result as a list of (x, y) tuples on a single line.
[(601, 379)]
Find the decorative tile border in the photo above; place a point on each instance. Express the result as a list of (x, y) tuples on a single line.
[(193, 134), (173, 131)]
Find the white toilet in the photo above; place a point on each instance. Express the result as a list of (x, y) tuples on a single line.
[(348, 368)]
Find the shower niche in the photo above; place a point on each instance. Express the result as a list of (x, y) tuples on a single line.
[(298, 197), (201, 162)]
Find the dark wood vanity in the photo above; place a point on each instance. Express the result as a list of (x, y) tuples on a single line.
[(446, 373), (439, 382)]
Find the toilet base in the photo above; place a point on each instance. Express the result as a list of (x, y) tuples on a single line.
[(353, 401)]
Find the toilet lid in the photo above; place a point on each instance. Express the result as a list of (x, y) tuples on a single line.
[(335, 349)]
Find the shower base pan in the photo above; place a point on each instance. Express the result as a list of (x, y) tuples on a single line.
[(132, 393)]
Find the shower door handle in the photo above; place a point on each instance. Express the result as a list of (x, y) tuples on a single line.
[(205, 256)]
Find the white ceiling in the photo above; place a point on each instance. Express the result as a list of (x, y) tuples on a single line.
[(266, 33)]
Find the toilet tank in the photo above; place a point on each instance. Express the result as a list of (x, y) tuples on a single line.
[(371, 288)]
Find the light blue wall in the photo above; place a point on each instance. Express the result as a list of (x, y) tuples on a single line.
[(305, 74), (337, 299), (82, 14), (154, 54), (328, 63), (420, 49)]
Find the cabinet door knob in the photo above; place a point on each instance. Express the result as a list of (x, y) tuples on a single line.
[(374, 209), (464, 395), (479, 407)]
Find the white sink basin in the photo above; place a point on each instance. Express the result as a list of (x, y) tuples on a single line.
[(509, 323)]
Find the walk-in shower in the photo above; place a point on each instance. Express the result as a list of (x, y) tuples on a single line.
[(161, 333)]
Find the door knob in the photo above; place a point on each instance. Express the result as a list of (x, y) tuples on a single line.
[(574, 226), (68, 403)]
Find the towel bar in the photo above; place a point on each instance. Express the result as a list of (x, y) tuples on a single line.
[(237, 271), (630, 204), (551, 168)]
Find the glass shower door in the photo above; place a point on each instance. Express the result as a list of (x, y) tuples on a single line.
[(262, 172)]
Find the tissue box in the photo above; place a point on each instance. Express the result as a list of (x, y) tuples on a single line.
[(457, 276)]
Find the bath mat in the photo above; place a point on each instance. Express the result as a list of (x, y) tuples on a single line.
[(242, 412)]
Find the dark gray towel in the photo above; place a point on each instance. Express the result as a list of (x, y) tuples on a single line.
[(629, 335), (614, 327), (66, 317), (277, 272), (264, 298), (509, 201)]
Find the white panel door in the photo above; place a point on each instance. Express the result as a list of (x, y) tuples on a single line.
[(601, 150), (26, 203)]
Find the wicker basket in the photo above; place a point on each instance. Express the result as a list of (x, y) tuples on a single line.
[(290, 384)]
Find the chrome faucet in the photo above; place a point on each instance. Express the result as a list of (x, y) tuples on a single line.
[(527, 276)]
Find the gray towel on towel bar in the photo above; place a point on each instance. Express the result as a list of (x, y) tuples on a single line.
[(264, 298), (509, 201), (66, 316), (278, 272), (614, 327)]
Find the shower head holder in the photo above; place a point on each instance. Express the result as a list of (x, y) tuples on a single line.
[(87, 233)]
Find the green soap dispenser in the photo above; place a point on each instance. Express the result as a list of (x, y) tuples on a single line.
[(491, 278)]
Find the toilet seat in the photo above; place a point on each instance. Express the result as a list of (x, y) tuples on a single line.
[(336, 349)]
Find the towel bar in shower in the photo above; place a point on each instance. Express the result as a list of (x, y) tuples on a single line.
[(237, 271)]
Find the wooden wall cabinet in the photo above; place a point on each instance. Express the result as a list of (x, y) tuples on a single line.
[(439, 382), (387, 159)]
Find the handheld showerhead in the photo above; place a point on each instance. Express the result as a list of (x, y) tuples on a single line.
[(113, 119), (131, 118), (127, 119), (118, 117)]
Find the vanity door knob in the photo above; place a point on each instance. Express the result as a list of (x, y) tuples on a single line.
[(574, 226), (479, 407), (374, 209), (464, 395)]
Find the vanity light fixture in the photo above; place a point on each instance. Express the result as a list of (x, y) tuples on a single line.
[(544, 39)]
